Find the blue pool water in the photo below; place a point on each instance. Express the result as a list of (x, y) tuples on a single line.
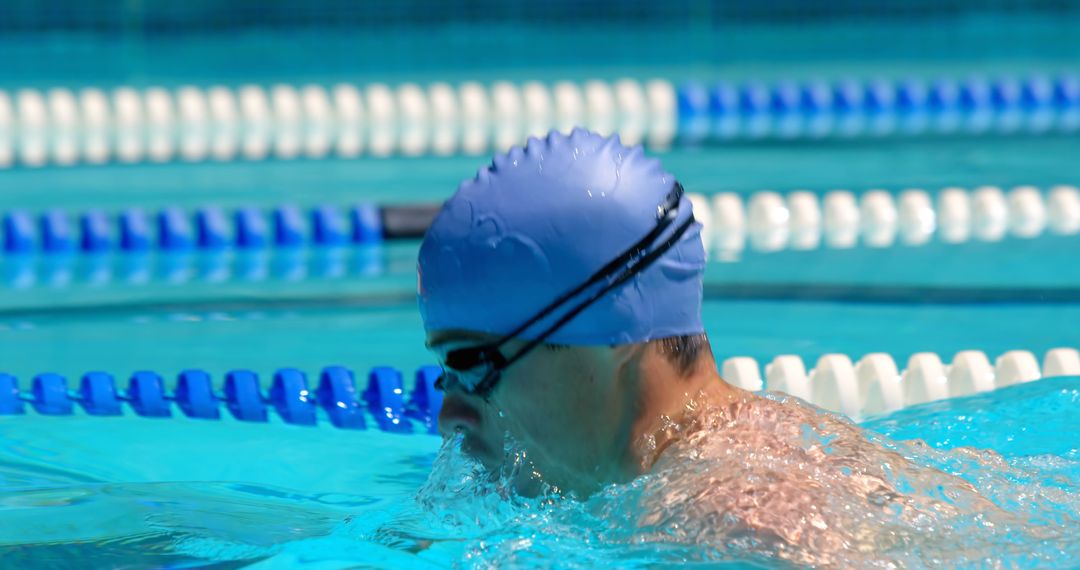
[(140, 492), (182, 493), (135, 492)]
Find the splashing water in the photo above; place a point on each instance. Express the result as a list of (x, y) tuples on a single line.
[(765, 481), (469, 498)]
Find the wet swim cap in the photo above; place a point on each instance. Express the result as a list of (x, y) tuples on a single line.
[(540, 221)]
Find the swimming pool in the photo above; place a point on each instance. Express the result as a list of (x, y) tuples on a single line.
[(183, 492), (127, 490)]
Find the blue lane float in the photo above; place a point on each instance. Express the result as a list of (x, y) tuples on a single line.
[(95, 232), (50, 395), (209, 228), (175, 230), (10, 401), (19, 233), (425, 401), (146, 395), (724, 111), (212, 228), (241, 393), (288, 223), (695, 114), (195, 395), (252, 231), (291, 399), (328, 226), (243, 396), (134, 226), (336, 395), (384, 397), (57, 232), (368, 228), (98, 396)]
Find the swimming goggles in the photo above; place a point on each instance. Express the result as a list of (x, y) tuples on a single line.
[(477, 370)]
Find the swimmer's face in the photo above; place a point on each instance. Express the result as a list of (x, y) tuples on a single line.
[(557, 403)]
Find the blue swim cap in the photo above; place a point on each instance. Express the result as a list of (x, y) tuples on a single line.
[(540, 221)]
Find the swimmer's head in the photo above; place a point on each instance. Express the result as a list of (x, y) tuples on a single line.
[(548, 284), (538, 222)]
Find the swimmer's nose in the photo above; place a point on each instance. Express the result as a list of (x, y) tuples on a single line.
[(458, 415)]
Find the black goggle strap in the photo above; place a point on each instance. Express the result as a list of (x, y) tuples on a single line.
[(633, 269)]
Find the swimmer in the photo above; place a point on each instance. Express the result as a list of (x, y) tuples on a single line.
[(561, 289)]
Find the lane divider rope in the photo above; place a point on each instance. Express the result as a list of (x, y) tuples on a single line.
[(62, 127), (240, 392), (768, 220), (871, 386), (135, 230)]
